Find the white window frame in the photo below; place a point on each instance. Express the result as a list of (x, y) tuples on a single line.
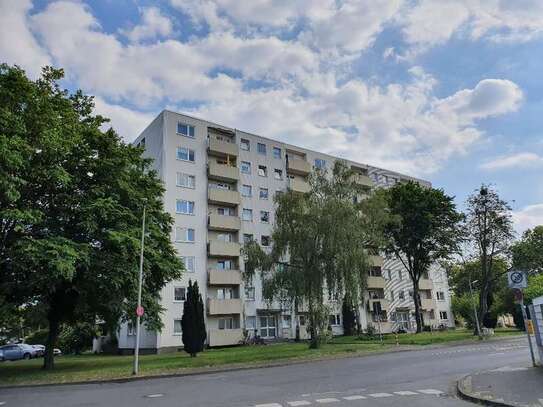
[(248, 211), (174, 332), (258, 146), (278, 174), (285, 318), (187, 260), (184, 296), (189, 128), (263, 213), (245, 142), (185, 232), (186, 210), (250, 194), (130, 329), (320, 163), (189, 150), (261, 190), (249, 293), (265, 171), (190, 180), (440, 295), (274, 150), (251, 326), (441, 315)]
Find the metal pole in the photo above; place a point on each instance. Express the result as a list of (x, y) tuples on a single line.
[(525, 316), (140, 283), (475, 311)]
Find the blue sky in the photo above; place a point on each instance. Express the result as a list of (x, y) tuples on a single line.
[(450, 91)]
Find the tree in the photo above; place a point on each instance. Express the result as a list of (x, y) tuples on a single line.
[(348, 316), (192, 323), (319, 247), (423, 228), (71, 201), (490, 231), (528, 251)]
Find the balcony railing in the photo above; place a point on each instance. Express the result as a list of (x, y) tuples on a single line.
[(224, 307), (222, 222), (219, 248), (222, 148), (222, 172), (298, 166), (376, 282), (223, 196), (298, 185), (224, 277)]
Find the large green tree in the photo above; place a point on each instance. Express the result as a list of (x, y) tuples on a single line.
[(71, 201), (490, 231), (528, 251), (320, 247), (423, 229), (193, 323)]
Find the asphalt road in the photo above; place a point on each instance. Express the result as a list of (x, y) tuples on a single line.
[(414, 378)]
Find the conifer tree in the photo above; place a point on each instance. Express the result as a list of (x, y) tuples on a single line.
[(192, 323)]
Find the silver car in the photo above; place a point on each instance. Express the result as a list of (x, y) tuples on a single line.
[(17, 352)]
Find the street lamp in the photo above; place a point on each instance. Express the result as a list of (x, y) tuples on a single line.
[(475, 308), (139, 309)]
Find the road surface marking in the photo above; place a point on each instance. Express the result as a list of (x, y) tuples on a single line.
[(405, 393), (269, 405), (380, 395), (328, 400), (355, 397), (430, 391), (2, 403), (154, 396), (299, 403)]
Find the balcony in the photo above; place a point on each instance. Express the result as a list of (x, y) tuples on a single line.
[(222, 222), (298, 166), (217, 248), (222, 148), (224, 337), (376, 282), (224, 307), (425, 284), (223, 197), (363, 180), (376, 261), (298, 185), (222, 172), (385, 304), (224, 277), (427, 304)]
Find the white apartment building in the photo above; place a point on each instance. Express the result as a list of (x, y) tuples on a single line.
[(220, 183)]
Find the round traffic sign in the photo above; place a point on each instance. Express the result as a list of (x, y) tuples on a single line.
[(517, 277), (139, 311)]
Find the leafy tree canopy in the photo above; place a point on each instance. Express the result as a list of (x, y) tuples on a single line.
[(528, 251)]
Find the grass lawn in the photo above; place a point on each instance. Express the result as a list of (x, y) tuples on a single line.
[(97, 367)]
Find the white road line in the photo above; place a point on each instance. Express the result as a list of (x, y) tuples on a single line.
[(405, 393), (430, 391), (326, 401), (154, 396), (299, 403), (380, 395), (355, 397), (269, 405), (2, 403)]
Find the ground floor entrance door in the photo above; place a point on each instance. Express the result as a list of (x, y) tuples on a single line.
[(268, 327), (402, 320)]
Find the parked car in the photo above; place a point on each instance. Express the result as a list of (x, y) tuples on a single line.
[(17, 352), (40, 349)]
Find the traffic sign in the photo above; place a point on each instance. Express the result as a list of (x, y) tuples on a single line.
[(139, 311), (517, 279)]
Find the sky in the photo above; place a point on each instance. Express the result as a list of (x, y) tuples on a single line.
[(449, 91)]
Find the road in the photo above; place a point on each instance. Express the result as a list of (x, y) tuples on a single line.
[(413, 378)]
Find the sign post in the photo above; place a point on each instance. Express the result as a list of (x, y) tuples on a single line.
[(139, 309), (517, 280)]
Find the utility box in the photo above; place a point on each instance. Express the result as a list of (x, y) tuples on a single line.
[(536, 312)]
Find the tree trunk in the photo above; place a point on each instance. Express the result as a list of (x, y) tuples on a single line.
[(49, 356), (483, 306), (314, 343), (418, 311), (296, 322)]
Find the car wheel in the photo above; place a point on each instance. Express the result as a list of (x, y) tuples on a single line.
[(26, 356)]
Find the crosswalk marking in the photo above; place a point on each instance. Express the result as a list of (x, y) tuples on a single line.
[(380, 395), (430, 391), (355, 397), (405, 393), (299, 403), (269, 405), (327, 400)]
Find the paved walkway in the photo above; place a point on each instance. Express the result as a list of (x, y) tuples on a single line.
[(505, 386)]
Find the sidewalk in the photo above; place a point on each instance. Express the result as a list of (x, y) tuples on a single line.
[(506, 386)]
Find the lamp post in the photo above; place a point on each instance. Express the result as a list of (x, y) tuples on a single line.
[(475, 308), (139, 309)]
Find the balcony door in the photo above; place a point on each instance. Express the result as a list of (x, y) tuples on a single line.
[(268, 328)]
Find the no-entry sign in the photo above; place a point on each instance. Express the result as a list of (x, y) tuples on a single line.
[(139, 311)]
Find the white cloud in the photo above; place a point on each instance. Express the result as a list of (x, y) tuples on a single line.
[(528, 217), (520, 160), (154, 24)]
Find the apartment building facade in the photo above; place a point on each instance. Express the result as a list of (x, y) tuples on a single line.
[(219, 187)]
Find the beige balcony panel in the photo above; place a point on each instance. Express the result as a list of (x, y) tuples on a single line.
[(298, 185), (376, 261), (385, 304), (376, 282), (224, 307), (224, 277), (222, 148), (222, 172), (298, 166), (221, 222), (225, 337), (427, 304), (363, 180), (223, 197), (425, 284), (218, 248)]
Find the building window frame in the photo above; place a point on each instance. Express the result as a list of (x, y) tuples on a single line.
[(182, 152), (190, 130), (181, 298)]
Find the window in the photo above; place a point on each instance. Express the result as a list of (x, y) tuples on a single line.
[(247, 215), (401, 295), (179, 294), (320, 163), (224, 265), (265, 241), (335, 319), (389, 272), (141, 143), (301, 320), (278, 174), (440, 295), (246, 190), (226, 323), (391, 295), (184, 207), (225, 211), (188, 261), (185, 180), (443, 315), (400, 274), (250, 323), (185, 154), (276, 152), (262, 171), (245, 167), (185, 129), (177, 327), (250, 293), (184, 235), (287, 321), (245, 144), (130, 329), (225, 237), (219, 185), (226, 293), (264, 217), (263, 193), (247, 237), (261, 148), (375, 271)]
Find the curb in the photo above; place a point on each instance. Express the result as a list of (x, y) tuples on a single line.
[(465, 391)]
